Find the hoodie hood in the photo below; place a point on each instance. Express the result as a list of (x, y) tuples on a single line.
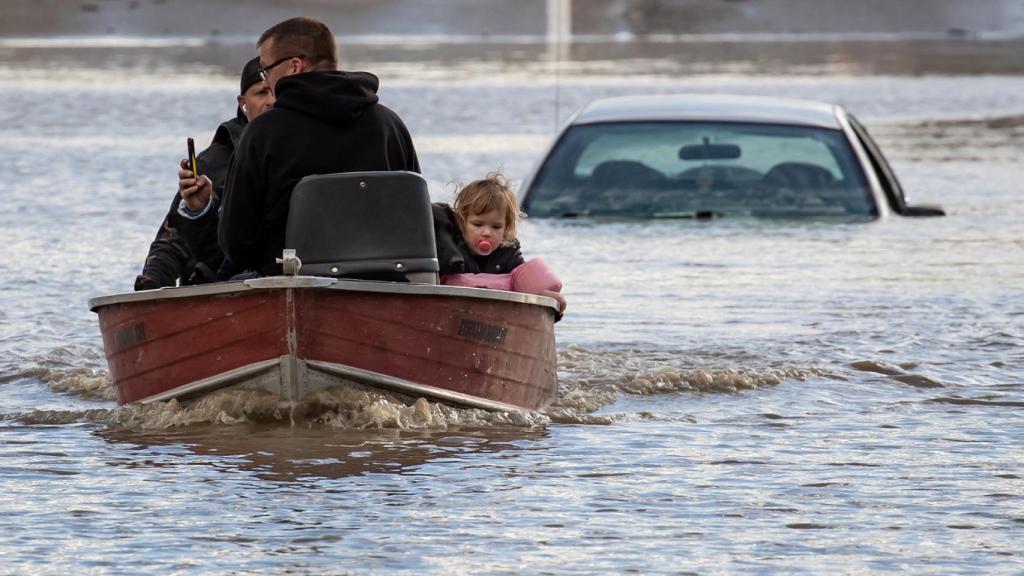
[(329, 95), (230, 131)]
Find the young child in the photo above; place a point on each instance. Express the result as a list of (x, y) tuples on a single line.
[(478, 234)]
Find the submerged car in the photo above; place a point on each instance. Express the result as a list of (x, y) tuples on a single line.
[(707, 156)]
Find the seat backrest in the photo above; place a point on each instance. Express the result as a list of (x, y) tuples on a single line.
[(375, 225), (626, 174), (799, 176)]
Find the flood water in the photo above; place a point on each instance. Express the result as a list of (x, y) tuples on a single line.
[(736, 396)]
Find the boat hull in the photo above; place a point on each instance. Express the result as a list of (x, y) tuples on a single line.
[(294, 336)]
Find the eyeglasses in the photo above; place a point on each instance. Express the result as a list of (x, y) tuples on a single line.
[(263, 70)]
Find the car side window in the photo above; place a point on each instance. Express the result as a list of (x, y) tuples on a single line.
[(886, 176)]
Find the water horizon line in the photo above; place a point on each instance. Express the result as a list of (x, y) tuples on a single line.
[(138, 41)]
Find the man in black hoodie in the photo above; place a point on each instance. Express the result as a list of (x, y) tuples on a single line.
[(183, 246), (323, 121)]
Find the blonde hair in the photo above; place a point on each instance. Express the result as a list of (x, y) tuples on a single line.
[(494, 192)]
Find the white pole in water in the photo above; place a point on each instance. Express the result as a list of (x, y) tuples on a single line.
[(559, 20), (559, 38)]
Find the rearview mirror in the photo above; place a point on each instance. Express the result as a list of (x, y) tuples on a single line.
[(709, 152)]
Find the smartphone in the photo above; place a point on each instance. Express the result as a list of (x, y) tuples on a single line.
[(193, 164)]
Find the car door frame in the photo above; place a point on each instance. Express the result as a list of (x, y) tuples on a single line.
[(890, 184)]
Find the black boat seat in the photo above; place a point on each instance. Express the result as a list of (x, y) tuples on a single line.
[(369, 225)]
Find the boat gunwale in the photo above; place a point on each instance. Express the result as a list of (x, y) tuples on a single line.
[(319, 282)]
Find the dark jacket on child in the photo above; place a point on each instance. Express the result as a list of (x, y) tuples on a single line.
[(454, 256)]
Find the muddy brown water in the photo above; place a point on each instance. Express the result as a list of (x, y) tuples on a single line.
[(736, 396)]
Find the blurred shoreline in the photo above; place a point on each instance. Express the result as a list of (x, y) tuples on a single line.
[(238, 20), (464, 62), (605, 37)]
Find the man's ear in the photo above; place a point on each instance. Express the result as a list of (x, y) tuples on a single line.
[(241, 100)]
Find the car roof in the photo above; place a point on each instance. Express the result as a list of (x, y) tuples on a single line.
[(709, 107)]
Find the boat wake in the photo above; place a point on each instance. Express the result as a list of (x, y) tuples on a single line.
[(337, 408), (589, 381), (88, 383), (73, 370)]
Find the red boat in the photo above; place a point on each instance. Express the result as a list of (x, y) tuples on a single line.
[(294, 335)]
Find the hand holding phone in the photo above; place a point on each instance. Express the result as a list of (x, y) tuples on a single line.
[(195, 190), (192, 162)]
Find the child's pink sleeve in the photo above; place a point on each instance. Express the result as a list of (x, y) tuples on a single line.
[(535, 276)]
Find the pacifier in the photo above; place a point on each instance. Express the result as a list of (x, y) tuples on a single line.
[(484, 247)]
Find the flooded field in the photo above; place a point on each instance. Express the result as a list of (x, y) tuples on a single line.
[(736, 396)]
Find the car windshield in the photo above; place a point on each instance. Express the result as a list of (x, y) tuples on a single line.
[(700, 169)]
